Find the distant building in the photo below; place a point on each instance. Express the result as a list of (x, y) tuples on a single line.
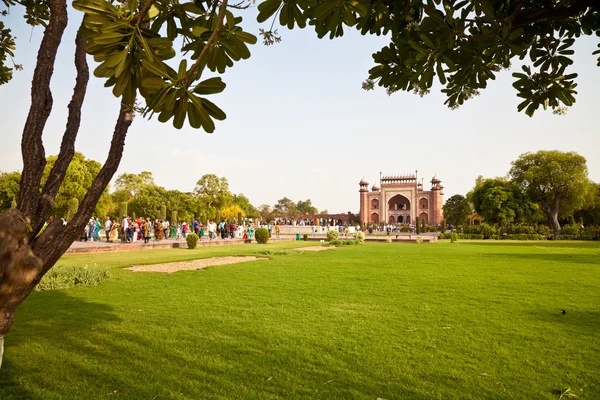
[(400, 199)]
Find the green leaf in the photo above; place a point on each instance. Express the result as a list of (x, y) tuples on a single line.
[(180, 112), (153, 82), (199, 30), (213, 110), (210, 86), (267, 9)]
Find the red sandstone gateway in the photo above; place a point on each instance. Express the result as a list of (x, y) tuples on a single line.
[(400, 199)]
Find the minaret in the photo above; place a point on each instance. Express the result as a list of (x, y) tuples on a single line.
[(364, 201), (437, 201)]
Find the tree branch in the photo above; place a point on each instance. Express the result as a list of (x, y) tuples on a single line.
[(32, 146), (138, 19), (213, 38), (67, 147), (54, 242), (557, 13)]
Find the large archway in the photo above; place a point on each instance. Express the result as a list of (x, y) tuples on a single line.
[(399, 202), (375, 218), (424, 217)]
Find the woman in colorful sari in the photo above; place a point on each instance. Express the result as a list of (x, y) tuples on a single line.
[(113, 235), (159, 230)]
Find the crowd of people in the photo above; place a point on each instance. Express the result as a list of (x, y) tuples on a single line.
[(130, 230)]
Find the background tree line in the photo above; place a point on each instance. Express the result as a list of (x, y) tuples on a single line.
[(138, 195), (545, 188)]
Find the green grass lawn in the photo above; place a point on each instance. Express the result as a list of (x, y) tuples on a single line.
[(479, 320)]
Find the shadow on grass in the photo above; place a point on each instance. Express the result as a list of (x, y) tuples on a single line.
[(533, 258), (57, 342), (536, 243)]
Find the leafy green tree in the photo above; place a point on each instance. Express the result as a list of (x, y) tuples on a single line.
[(73, 204), (590, 211), (500, 201), (78, 180), (213, 191), (557, 181), (148, 201), (9, 188), (242, 201), (306, 207), (285, 208), (132, 183), (456, 210)]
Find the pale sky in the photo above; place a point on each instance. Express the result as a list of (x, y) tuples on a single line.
[(299, 125)]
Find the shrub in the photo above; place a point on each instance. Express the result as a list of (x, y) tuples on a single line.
[(360, 236), (488, 231), (523, 236), (472, 229), (543, 230), (332, 235), (388, 239), (443, 226), (192, 240), (419, 239), (305, 237), (570, 230), (62, 277), (347, 242), (262, 235), (453, 237), (590, 233)]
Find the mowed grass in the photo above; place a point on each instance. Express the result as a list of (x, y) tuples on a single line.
[(478, 320)]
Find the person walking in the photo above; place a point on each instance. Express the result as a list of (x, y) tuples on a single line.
[(277, 230), (107, 226)]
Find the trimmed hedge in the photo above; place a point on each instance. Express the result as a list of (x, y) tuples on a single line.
[(192, 240), (262, 235)]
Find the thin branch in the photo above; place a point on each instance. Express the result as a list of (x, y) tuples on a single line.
[(139, 18), (67, 147), (32, 146), (242, 5), (557, 13), (213, 38)]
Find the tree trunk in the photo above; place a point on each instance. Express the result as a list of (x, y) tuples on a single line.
[(21, 266), (32, 147), (552, 213), (67, 146)]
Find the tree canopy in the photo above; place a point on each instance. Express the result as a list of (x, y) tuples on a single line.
[(462, 43), (558, 181), (456, 210), (500, 201)]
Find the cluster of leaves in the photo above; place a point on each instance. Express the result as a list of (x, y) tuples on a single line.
[(132, 52), (465, 43), (7, 48)]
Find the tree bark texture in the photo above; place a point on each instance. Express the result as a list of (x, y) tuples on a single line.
[(67, 146), (552, 213), (32, 147)]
